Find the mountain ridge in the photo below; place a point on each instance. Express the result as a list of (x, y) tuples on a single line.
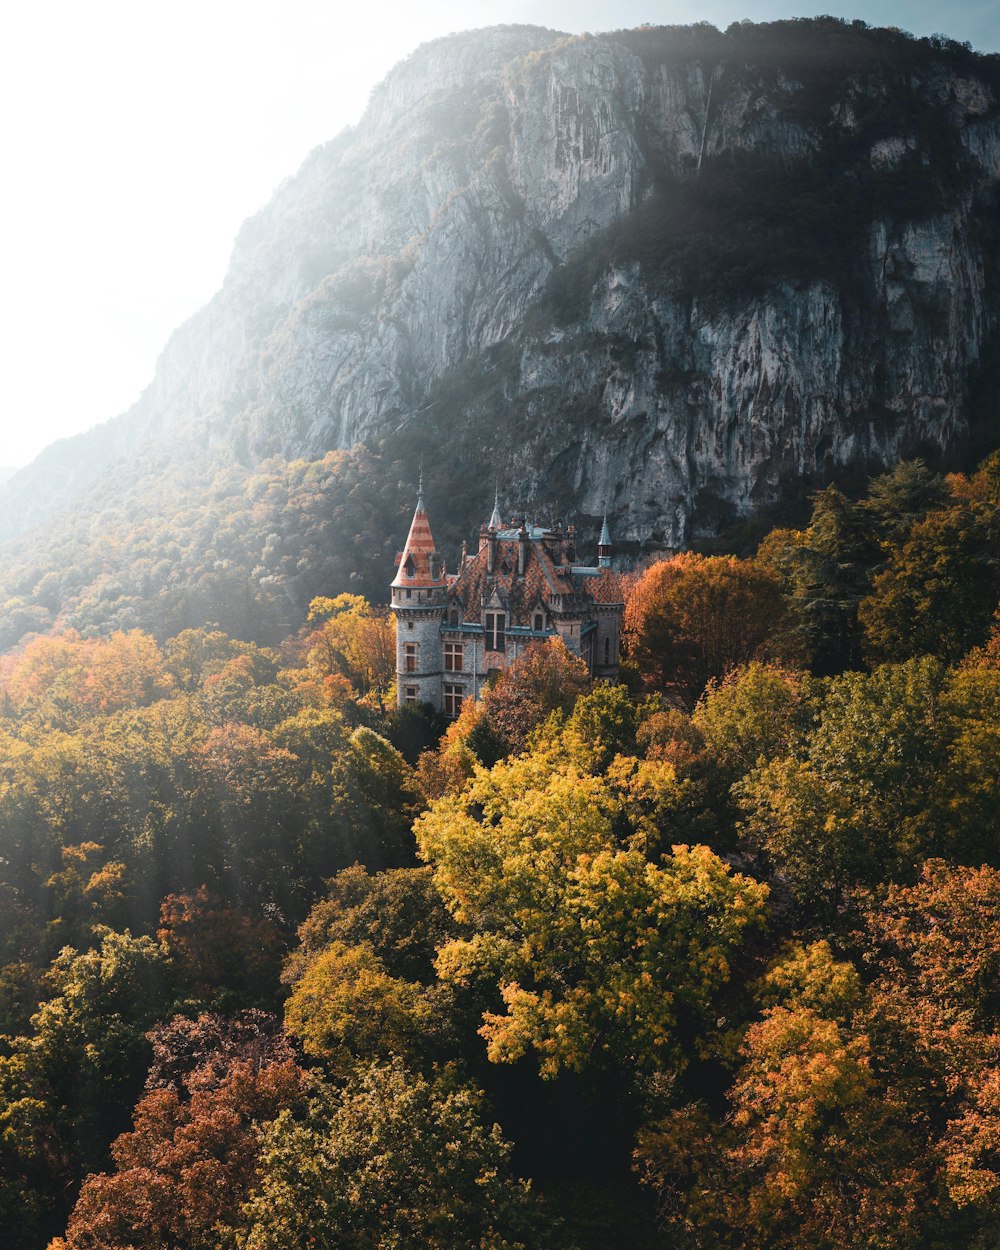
[(664, 272)]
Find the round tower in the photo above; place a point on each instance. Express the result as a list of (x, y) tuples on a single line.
[(419, 601)]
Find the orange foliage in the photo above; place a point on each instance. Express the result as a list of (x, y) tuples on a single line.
[(187, 1166), (89, 675), (692, 619)]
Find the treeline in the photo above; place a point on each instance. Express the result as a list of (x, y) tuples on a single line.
[(709, 958), (244, 549)]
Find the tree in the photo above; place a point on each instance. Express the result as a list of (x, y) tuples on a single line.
[(398, 914), (826, 571), (183, 1171), (757, 712), (897, 500), (692, 619), (354, 641), (89, 1044), (597, 953), (393, 1160), (857, 800), (347, 1009), (220, 955), (544, 678), (863, 1112), (939, 589)]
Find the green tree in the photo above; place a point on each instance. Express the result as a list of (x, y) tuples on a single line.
[(826, 570), (939, 589), (394, 1159), (857, 801), (597, 953), (758, 712)]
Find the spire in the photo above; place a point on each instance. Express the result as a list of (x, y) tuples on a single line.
[(604, 544), (420, 566), (420, 487), (495, 523)]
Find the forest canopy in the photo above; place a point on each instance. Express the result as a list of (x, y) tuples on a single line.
[(706, 958)]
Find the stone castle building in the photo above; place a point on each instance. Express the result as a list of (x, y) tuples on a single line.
[(523, 584)]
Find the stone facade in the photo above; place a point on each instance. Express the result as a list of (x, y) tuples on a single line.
[(524, 584)]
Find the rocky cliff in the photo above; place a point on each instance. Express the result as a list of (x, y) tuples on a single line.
[(664, 272)]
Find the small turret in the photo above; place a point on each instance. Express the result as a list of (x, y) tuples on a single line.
[(495, 523), (604, 545)]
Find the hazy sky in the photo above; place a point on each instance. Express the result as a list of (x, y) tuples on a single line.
[(137, 135)]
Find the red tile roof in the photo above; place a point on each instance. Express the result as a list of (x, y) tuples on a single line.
[(419, 564), (545, 575)]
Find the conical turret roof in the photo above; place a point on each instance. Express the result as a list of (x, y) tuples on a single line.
[(419, 564), (495, 522)]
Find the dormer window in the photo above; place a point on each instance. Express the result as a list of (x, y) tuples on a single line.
[(539, 622), (495, 630), (409, 568)]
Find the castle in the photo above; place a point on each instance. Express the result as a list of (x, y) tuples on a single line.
[(522, 585)]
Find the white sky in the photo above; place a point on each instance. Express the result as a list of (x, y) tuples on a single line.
[(136, 136)]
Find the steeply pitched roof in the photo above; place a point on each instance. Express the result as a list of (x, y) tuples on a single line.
[(494, 522), (420, 565), (545, 576)]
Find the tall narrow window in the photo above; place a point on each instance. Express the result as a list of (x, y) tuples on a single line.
[(410, 694), (454, 657), (607, 650), (496, 638), (452, 699), (539, 622), (410, 657)]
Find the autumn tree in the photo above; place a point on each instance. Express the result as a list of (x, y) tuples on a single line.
[(596, 952), (220, 955), (545, 677), (353, 640), (184, 1169), (692, 619), (862, 1112), (939, 589)]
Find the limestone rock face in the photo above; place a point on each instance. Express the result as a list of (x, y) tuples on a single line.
[(399, 285)]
